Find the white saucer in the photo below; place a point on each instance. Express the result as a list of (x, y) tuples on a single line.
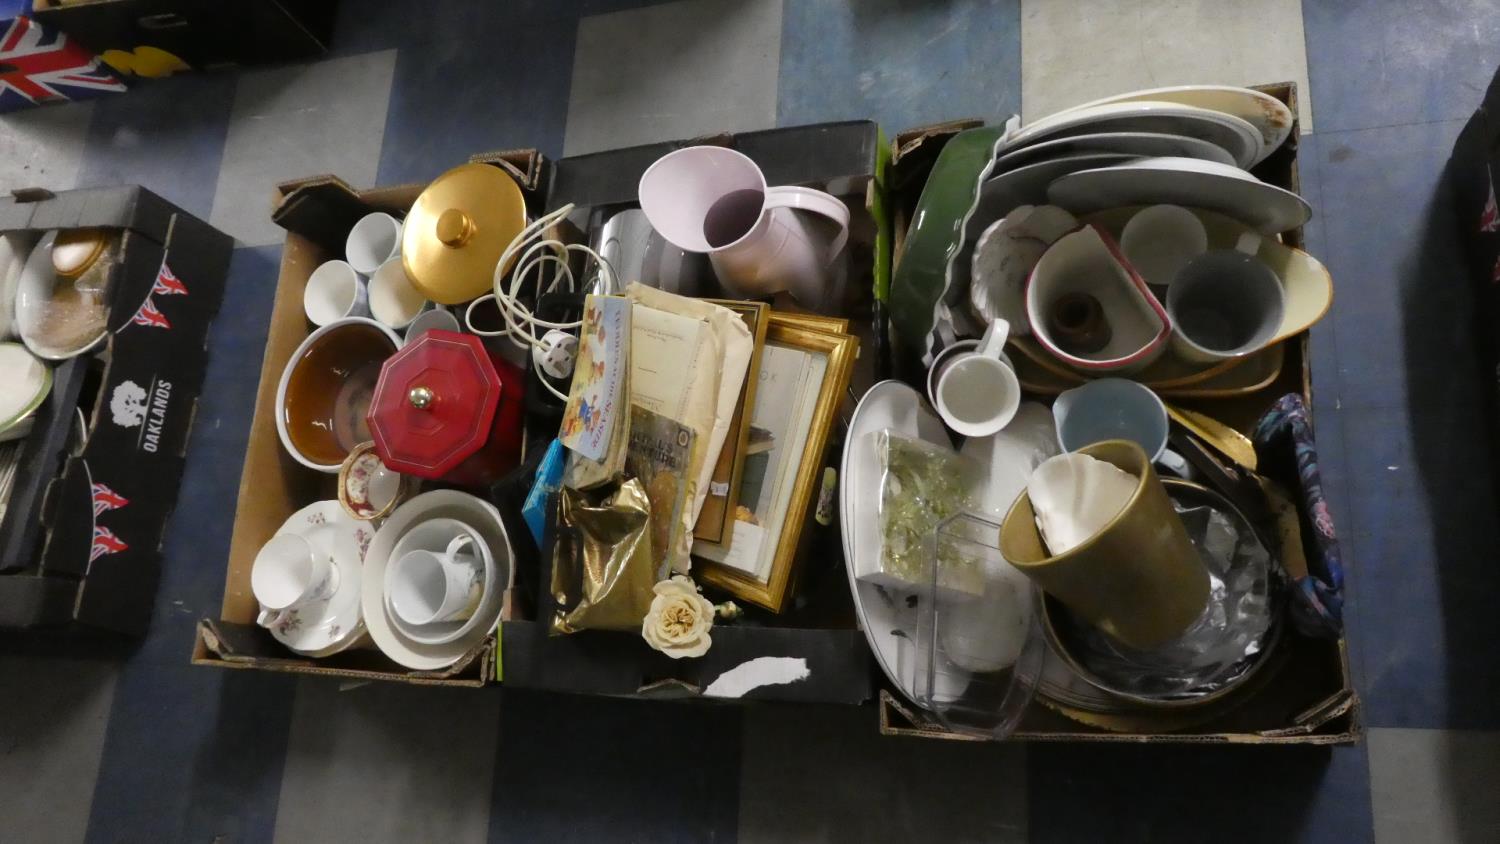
[(1187, 182), (890, 625), (24, 385), (442, 632), (442, 503), (1241, 140), (33, 294), (327, 626)]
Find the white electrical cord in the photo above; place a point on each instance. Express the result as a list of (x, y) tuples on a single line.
[(522, 327)]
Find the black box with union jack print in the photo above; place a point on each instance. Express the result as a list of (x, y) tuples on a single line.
[(80, 539)]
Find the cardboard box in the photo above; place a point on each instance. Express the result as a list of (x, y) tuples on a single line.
[(318, 212), (80, 541), (1304, 694), (201, 34)]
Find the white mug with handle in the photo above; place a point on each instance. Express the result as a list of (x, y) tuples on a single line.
[(426, 587), (715, 200), (976, 393)]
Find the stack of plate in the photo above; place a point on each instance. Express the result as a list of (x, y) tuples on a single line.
[(1190, 146), (448, 642)]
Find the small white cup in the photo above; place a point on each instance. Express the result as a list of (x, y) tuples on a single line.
[(1225, 304), (334, 291), (1116, 409), (288, 573), (436, 319), (393, 299), (426, 587), (977, 392), (375, 239), (1160, 240)]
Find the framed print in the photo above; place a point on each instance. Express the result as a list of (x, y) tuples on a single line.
[(803, 376)]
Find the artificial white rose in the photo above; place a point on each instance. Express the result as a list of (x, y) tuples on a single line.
[(679, 620)]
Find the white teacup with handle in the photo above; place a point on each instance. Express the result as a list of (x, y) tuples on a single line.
[(715, 200), (290, 572), (427, 587), (1117, 409), (976, 392), (1225, 304)]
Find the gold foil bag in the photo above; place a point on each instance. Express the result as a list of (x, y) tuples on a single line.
[(602, 568)]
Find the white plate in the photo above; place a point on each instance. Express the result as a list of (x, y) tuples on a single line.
[(24, 384), (1241, 140), (1003, 257), (1268, 115), (1187, 182), (329, 625), (442, 503), (33, 294), (1003, 194), (14, 249), (890, 625), (1144, 144)]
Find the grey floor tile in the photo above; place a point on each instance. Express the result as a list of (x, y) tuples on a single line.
[(303, 120), (1378, 63), (826, 774), (1161, 793), (901, 64), (1072, 53), (673, 71), (388, 762), (1435, 785), (43, 147), (51, 738)]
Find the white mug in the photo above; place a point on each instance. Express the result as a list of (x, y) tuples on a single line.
[(393, 299), (288, 573), (437, 319), (977, 392), (334, 291), (1160, 240), (1225, 304), (375, 239), (715, 200), (426, 587), (1117, 409)]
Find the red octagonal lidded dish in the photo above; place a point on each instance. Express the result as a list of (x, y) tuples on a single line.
[(446, 409)]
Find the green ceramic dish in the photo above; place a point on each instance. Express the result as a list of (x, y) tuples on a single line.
[(937, 233)]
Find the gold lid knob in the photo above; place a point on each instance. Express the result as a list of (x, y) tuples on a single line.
[(420, 398), (454, 227)]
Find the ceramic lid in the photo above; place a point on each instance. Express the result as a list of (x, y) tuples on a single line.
[(24, 383), (434, 403), (75, 250), (457, 230)]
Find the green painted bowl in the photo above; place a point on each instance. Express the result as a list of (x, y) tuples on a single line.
[(936, 235)]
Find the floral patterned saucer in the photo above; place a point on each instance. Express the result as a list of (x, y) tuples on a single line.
[(328, 625)]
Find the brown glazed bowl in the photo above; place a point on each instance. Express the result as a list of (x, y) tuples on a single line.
[(326, 389)]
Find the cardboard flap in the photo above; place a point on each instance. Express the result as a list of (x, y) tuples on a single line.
[(231, 645), (128, 207), (322, 209), (523, 165), (611, 662)]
